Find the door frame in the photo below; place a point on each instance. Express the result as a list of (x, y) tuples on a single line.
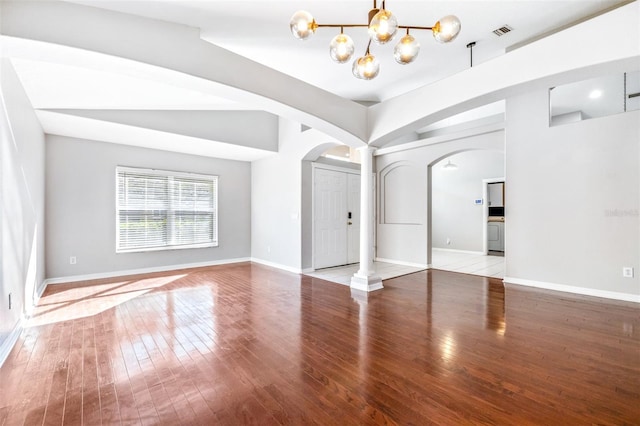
[(485, 210), (331, 167)]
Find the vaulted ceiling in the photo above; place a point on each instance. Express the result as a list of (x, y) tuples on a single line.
[(239, 57)]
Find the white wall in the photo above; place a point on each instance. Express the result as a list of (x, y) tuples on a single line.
[(402, 233), (276, 197), (455, 216), (81, 207), (22, 152), (573, 196)]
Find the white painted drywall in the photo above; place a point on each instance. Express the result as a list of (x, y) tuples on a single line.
[(556, 59), (455, 216), (254, 129), (277, 202), (573, 195), (407, 242), (81, 207), (22, 152)]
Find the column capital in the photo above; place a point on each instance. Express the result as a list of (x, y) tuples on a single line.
[(367, 149)]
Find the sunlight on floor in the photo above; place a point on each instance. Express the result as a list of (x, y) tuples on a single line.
[(63, 302)]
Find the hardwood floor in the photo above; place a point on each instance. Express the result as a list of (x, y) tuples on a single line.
[(247, 344)]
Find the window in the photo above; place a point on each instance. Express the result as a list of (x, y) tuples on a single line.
[(161, 210)]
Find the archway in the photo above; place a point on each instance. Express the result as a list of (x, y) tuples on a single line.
[(457, 210)]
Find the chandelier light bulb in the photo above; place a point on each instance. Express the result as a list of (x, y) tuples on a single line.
[(341, 48), (366, 67), (406, 50), (302, 25), (446, 29), (383, 26)]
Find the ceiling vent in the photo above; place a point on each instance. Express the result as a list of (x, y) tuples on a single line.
[(502, 30)]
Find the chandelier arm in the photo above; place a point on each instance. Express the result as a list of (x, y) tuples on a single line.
[(407, 27), (341, 25), (411, 27)]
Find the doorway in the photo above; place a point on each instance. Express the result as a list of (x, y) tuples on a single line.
[(336, 217), (494, 216)]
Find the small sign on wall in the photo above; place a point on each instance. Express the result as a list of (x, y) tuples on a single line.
[(478, 201)]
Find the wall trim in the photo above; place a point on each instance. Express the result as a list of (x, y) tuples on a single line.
[(576, 290), (10, 341), (458, 251), (475, 131), (315, 165), (308, 270), (278, 265), (122, 273), (403, 263)]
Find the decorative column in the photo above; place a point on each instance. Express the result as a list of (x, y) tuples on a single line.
[(365, 279)]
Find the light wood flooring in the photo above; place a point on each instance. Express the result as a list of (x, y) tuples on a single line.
[(248, 344)]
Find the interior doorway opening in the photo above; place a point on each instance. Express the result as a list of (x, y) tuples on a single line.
[(458, 212)]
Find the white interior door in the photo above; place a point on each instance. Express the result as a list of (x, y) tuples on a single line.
[(330, 218), (353, 217)]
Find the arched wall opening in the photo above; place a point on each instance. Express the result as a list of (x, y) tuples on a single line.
[(404, 225), (318, 155), (457, 216)]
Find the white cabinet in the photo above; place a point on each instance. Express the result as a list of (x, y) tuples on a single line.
[(495, 236), (495, 194)]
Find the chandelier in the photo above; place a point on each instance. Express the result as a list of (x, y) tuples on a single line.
[(382, 27)]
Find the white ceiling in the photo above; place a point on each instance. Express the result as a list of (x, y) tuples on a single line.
[(259, 30)]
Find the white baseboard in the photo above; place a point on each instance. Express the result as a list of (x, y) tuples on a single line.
[(403, 263), (308, 270), (10, 341), (277, 265), (481, 253), (575, 290), (121, 273)]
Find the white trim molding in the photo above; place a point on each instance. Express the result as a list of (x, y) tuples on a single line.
[(403, 263), (277, 265), (10, 341), (122, 273), (458, 251), (627, 297)]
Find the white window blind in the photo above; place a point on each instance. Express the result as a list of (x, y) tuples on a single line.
[(158, 210)]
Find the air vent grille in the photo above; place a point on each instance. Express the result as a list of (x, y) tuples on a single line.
[(502, 30)]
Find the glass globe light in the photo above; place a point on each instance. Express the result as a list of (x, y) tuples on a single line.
[(366, 67), (341, 48), (446, 29), (302, 25), (383, 26), (406, 50)]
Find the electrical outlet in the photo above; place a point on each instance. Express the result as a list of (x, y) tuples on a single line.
[(268, 249), (627, 272), (72, 260), (448, 241)]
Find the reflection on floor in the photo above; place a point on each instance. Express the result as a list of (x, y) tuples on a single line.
[(468, 263), (464, 263), (343, 274)]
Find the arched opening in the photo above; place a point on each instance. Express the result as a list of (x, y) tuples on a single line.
[(338, 166), (458, 211)]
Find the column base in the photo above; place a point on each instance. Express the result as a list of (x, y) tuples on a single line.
[(366, 283)]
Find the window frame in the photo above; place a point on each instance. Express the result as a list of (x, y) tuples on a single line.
[(170, 175)]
